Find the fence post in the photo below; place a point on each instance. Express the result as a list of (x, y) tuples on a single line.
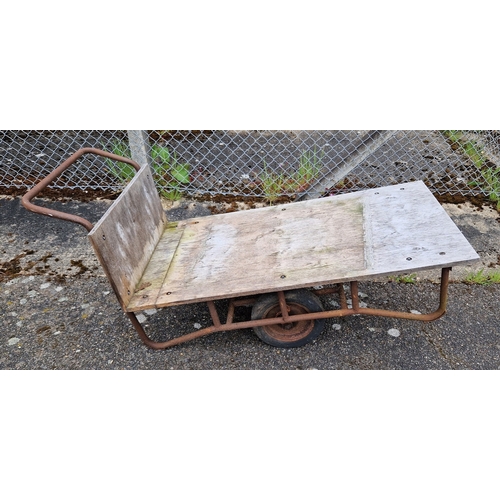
[(139, 146)]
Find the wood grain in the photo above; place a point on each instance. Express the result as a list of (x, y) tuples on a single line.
[(351, 237), (126, 236)]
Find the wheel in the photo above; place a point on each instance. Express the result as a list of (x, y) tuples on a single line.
[(291, 334)]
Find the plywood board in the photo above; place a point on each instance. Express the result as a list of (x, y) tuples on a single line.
[(148, 288), (126, 236), (355, 236)]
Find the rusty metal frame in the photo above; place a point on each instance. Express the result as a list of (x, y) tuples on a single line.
[(35, 191), (344, 311), (230, 324)]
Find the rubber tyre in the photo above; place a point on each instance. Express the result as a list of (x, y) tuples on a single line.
[(293, 334)]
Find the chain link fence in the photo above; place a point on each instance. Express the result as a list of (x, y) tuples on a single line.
[(259, 163)]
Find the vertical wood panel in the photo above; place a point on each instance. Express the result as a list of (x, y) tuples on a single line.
[(126, 236)]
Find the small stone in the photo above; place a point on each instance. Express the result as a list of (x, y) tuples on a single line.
[(150, 312), (393, 332), (336, 326), (362, 295), (110, 361), (63, 299), (197, 326), (23, 301), (44, 285), (56, 333), (85, 306), (141, 318), (105, 293), (59, 288), (13, 341), (413, 311), (32, 293), (19, 324)]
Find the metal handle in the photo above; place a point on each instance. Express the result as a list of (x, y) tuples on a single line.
[(33, 192)]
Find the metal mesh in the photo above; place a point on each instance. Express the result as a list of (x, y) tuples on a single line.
[(261, 163)]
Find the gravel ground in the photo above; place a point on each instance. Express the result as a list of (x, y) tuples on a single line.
[(57, 310)]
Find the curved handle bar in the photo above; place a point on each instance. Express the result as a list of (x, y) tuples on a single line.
[(26, 199)]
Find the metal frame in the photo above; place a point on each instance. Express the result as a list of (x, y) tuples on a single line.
[(344, 310), (230, 325)]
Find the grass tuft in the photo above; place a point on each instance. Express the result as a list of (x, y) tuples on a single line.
[(405, 278), (276, 184), (483, 277)]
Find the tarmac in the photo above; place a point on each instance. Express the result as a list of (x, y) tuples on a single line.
[(58, 311)]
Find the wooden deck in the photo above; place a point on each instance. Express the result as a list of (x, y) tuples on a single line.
[(357, 236)]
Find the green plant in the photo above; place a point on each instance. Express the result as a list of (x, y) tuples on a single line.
[(122, 171), (491, 176), (169, 174), (273, 184), (405, 278), (277, 184), (483, 277), (310, 164), (470, 148), (491, 184)]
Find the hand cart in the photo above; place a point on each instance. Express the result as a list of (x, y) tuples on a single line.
[(277, 259)]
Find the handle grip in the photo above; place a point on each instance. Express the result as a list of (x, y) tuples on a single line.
[(35, 191)]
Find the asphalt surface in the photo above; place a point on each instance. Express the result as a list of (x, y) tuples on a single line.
[(57, 311)]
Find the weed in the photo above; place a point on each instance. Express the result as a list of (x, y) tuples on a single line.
[(470, 148), (491, 184), (405, 278), (121, 171), (310, 164), (169, 174), (491, 176), (276, 184), (453, 135), (273, 184), (483, 278)]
